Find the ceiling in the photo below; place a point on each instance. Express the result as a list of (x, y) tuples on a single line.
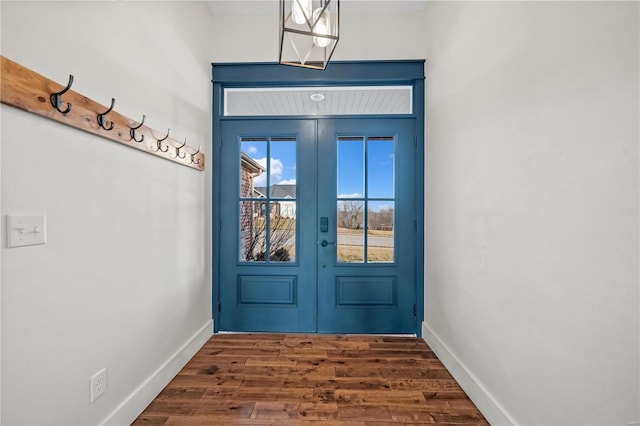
[(294, 102), (270, 7)]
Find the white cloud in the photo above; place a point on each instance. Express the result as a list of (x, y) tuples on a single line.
[(287, 182), (252, 150), (276, 172), (355, 195)]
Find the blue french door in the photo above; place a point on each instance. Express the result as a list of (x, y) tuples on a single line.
[(317, 226), (366, 259), (267, 232)]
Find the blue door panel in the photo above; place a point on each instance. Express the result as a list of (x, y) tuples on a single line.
[(270, 290), (365, 291)]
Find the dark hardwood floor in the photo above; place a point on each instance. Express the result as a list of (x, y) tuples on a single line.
[(277, 379)]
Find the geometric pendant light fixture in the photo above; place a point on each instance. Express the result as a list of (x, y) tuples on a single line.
[(309, 32)]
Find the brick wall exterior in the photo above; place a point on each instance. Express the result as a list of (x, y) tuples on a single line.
[(246, 212)]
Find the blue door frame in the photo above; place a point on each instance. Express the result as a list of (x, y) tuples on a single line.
[(352, 73)]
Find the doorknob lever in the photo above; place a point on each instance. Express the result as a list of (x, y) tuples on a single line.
[(325, 243)]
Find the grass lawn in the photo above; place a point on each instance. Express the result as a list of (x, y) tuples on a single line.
[(356, 254)]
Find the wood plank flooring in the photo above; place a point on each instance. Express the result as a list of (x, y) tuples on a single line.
[(278, 379)]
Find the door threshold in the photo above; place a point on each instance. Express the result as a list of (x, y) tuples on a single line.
[(318, 334)]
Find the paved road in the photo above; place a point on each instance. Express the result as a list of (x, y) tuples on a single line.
[(357, 240), (347, 240)]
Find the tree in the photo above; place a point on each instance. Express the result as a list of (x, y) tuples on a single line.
[(282, 239), (382, 219), (350, 214)]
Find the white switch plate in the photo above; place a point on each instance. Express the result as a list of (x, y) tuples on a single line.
[(26, 230)]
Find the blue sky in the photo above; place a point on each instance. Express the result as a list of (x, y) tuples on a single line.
[(351, 165), (283, 161), (351, 174)]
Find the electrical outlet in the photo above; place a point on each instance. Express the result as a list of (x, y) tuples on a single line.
[(98, 384)]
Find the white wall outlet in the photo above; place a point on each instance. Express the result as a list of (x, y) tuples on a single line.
[(98, 384), (26, 230)]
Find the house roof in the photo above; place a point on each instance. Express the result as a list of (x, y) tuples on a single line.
[(251, 165), (278, 191)]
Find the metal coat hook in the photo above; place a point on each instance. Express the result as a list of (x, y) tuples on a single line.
[(193, 156), (56, 98), (101, 120), (178, 148), (132, 131), (159, 144), (62, 101)]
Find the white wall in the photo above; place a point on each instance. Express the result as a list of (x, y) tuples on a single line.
[(124, 280), (385, 33), (532, 206)]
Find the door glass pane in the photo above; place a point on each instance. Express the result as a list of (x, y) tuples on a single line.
[(351, 167), (282, 193), (252, 230), (268, 205), (283, 231), (380, 167), (380, 231), (253, 163), (283, 168), (350, 247)]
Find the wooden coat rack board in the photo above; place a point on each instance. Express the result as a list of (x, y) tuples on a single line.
[(29, 91)]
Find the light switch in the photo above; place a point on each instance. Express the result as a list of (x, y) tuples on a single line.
[(26, 230)]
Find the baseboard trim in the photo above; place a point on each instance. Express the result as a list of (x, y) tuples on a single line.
[(139, 399), (484, 400)]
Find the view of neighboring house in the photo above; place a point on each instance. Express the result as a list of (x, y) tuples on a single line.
[(280, 208)]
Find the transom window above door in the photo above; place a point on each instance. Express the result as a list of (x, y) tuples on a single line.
[(324, 101)]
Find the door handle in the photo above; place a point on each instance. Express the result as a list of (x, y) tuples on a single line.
[(325, 243)]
